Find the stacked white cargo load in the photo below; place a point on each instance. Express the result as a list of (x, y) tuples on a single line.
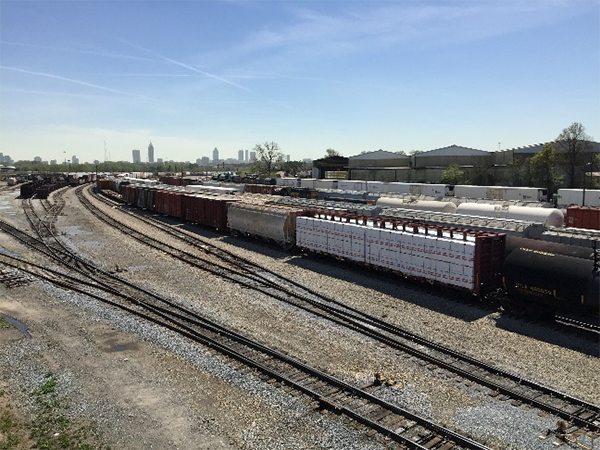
[(441, 259)]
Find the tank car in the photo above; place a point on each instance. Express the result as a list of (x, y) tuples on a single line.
[(542, 277)]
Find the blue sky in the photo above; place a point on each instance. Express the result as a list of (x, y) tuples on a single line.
[(350, 75)]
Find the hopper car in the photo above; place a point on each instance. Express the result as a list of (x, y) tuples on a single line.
[(526, 275)]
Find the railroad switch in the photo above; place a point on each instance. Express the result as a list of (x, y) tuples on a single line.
[(569, 434)]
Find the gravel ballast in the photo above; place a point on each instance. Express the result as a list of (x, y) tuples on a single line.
[(145, 387)]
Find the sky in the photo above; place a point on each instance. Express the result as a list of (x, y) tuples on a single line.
[(97, 79)]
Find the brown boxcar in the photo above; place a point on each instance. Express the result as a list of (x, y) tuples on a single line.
[(587, 217)]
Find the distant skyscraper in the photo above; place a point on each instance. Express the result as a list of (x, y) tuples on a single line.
[(74, 159), (246, 158), (216, 155), (159, 160), (287, 158), (252, 156), (151, 153), (241, 156), (205, 161), (136, 156)]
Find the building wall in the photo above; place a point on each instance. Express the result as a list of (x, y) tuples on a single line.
[(444, 161), (401, 161)]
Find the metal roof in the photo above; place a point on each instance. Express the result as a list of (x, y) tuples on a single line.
[(534, 148), (453, 150), (379, 154)]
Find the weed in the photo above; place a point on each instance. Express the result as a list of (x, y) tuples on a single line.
[(9, 437), (53, 429)]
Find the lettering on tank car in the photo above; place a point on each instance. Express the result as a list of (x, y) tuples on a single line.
[(534, 290), (539, 252)]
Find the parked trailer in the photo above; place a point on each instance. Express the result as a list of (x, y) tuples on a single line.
[(461, 258), (568, 197), (503, 193)]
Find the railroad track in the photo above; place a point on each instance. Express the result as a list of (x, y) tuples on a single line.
[(504, 384), (360, 403), (580, 323)]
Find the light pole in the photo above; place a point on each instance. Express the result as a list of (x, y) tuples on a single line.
[(585, 166)]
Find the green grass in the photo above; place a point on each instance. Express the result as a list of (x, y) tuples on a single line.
[(53, 429), (4, 323)]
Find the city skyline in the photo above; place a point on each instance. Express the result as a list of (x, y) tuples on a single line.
[(91, 78)]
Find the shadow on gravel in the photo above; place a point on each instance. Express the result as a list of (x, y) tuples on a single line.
[(449, 303), (427, 296), (551, 333)]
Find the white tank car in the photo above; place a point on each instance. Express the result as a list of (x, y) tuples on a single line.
[(548, 216), (479, 209), (424, 205)]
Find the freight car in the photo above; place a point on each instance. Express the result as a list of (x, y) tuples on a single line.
[(462, 259), (546, 277), (586, 217), (528, 275)]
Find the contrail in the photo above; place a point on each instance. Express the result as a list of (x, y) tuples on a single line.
[(187, 66), (71, 80), (73, 50)]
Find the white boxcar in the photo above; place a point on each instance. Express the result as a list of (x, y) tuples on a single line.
[(433, 190), (399, 188), (567, 197), (326, 184), (308, 183), (377, 186), (352, 185), (287, 181)]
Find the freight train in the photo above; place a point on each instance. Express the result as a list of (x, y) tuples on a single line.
[(527, 275)]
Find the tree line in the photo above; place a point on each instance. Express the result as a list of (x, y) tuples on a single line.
[(567, 162)]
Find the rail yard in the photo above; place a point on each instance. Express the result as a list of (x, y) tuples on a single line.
[(173, 335)]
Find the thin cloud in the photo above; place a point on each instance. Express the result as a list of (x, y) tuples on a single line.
[(71, 80), (187, 66), (362, 26), (77, 51), (150, 75)]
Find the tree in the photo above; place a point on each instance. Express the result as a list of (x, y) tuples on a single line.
[(268, 154), (452, 175), (544, 167), (572, 145), (482, 173), (330, 153)]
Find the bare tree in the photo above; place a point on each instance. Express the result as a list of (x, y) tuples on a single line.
[(268, 154), (572, 145)]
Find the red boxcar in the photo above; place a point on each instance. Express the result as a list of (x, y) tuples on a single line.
[(587, 217)]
